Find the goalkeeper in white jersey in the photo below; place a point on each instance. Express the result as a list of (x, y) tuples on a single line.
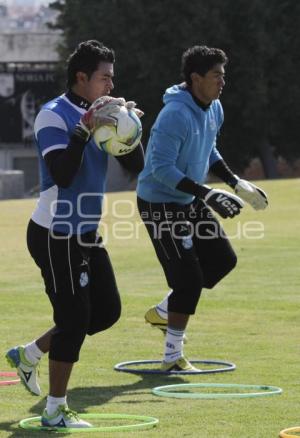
[(62, 233)]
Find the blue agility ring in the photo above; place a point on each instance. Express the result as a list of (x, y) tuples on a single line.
[(126, 367)]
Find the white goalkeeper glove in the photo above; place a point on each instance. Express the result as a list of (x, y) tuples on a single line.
[(101, 113), (252, 194), (131, 105), (224, 203)]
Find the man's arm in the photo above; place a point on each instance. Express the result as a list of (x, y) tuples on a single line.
[(134, 161), (222, 171), (64, 160), (63, 164), (224, 203), (249, 192)]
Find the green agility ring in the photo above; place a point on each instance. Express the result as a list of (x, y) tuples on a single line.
[(142, 422), (172, 390), (288, 433)]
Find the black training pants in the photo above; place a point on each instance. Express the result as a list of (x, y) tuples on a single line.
[(80, 283), (192, 248)]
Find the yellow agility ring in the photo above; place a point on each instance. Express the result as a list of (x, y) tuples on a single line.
[(286, 433)]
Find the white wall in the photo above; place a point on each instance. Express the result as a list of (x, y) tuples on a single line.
[(29, 47)]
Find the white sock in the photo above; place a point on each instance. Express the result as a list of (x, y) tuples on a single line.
[(32, 353), (54, 402), (173, 345), (162, 307)]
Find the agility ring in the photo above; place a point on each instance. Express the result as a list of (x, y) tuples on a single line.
[(142, 422), (8, 382), (126, 367), (172, 390), (286, 433)]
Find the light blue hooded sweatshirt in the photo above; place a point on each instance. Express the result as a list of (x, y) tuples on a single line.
[(182, 144)]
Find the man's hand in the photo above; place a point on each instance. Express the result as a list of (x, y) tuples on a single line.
[(100, 113), (252, 194), (224, 203)]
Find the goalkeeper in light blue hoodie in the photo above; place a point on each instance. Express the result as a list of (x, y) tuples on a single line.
[(176, 206)]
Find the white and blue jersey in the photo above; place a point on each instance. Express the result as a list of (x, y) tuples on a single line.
[(77, 208), (182, 144)]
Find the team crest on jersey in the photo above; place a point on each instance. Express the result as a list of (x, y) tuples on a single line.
[(187, 242), (84, 279)]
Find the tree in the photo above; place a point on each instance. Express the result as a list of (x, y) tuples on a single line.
[(149, 38)]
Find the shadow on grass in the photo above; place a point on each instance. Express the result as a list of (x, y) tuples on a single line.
[(80, 399)]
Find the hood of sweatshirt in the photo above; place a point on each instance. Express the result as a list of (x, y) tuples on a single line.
[(180, 94)]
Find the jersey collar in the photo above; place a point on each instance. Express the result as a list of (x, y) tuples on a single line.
[(78, 100)]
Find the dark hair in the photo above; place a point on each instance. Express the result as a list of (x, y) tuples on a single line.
[(86, 58), (200, 59)]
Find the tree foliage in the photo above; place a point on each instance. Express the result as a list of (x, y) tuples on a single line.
[(261, 39)]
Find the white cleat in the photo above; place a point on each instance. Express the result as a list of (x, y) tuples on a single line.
[(26, 370), (63, 417)]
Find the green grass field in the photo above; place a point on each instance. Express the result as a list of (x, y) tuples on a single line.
[(251, 319)]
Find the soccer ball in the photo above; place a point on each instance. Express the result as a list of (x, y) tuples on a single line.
[(122, 138)]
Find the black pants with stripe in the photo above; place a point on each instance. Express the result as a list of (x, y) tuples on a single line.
[(192, 248), (80, 283)]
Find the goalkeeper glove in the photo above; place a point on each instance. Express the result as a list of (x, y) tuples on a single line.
[(224, 203), (131, 105), (252, 194), (99, 114)]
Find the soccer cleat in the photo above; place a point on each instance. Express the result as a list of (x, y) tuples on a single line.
[(63, 417), (181, 364), (26, 370), (152, 317)]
